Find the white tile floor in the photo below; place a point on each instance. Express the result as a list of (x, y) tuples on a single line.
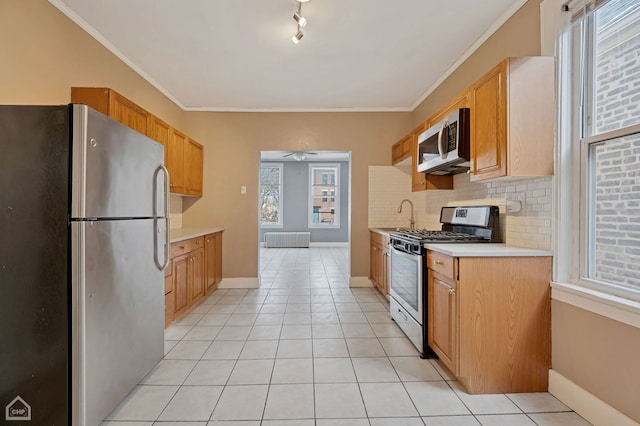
[(306, 350)]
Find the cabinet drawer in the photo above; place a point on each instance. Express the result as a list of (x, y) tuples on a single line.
[(186, 246), (381, 239), (442, 264)]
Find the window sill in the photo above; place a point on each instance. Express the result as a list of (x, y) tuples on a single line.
[(270, 226), (613, 307)]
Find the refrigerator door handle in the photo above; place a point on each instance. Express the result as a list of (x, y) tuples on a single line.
[(165, 216)]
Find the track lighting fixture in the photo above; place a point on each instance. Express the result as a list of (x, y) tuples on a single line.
[(296, 38), (301, 21)]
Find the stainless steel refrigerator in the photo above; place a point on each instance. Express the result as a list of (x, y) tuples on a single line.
[(83, 243)]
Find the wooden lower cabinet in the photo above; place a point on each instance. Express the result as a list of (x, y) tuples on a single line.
[(442, 327), (194, 272), (181, 284), (490, 321), (213, 261), (379, 262), (196, 277), (169, 302)]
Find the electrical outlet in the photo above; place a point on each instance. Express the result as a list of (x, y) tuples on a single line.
[(243, 190), (515, 202), (516, 197)]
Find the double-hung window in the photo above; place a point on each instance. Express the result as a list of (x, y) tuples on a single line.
[(602, 73), (324, 195), (270, 195)]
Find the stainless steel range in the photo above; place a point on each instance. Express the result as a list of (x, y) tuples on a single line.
[(408, 284)]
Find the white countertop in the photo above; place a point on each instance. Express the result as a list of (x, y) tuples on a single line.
[(181, 234), (485, 250)]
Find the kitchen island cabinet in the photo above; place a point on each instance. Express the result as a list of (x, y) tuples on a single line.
[(489, 320), (512, 119)]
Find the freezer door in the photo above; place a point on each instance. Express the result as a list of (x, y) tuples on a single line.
[(117, 313), (115, 170)]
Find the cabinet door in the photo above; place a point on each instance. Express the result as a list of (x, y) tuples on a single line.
[(210, 262), (175, 161), (128, 113), (489, 124), (442, 329), (180, 283), (160, 132), (196, 266), (373, 263), (218, 260), (193, 163)]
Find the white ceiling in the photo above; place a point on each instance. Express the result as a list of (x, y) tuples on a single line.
[(237, 55)]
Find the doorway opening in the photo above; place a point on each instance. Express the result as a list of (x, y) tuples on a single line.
[(304, 214)]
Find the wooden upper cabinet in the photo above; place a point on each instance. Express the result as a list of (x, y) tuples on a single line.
[(112, 104), (175, 161), (160, 132), (512, 110), (401, 150), (193, 165), (183, 156)]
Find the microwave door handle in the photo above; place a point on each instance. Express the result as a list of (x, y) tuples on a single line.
[(441, 149)]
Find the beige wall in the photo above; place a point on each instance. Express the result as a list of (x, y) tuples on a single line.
[(519, 36), (599, 355), (43, 54), (233, 142)]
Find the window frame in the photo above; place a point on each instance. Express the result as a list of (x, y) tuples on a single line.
[(336, 185), (280, 167), (577, 223)]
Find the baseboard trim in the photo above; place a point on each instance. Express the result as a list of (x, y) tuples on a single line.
[(589, 406), (248, 282), (360, 282)]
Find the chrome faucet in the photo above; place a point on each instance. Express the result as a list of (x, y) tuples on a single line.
[(411, 221)]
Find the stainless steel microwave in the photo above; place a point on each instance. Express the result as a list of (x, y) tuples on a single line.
[(443, 149)]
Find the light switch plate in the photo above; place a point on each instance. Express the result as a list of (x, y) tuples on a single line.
[(243, 190)]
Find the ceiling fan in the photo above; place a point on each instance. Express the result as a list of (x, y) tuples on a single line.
[(299, 155)]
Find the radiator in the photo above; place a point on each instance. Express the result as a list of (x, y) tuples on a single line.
[(287, 239)]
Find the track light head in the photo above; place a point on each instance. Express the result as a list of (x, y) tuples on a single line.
[(301, 20), (296, 38)]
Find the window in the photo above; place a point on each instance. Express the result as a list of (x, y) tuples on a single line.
[(604, 44), (271, 194), (324, 198)]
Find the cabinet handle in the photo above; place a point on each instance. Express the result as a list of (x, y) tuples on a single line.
[(181, 247), (469, 172), (452, 291), (438, 262)]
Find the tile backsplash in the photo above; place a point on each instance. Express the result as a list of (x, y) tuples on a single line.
[(530, 227)]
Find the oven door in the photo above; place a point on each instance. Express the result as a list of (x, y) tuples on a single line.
[(406, 282)]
